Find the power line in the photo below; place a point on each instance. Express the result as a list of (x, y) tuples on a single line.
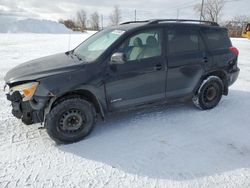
[(229, 1), (186, 5), (174, 8), (183, 5)]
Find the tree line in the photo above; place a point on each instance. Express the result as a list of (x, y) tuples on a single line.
[(83, 21), (210, 10)]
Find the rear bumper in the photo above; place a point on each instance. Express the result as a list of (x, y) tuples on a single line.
[(26, 111), (233, 76)]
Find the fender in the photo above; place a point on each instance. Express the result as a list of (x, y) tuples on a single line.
[(222, 74), (83, 92)]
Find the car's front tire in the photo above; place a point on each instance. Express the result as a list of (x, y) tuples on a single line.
[(70, 120), (209, 93)]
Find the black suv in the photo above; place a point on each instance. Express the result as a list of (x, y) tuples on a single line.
[(134, 64)]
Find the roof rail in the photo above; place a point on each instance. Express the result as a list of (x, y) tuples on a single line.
[(145, 21), (156, 21), (183, 20)]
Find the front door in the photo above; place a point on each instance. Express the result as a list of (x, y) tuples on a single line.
[(142, 77)]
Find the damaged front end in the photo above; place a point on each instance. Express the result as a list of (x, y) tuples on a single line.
[(30, 84), (25, 105)]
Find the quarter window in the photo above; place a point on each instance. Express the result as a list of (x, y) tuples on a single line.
[(217, 38)]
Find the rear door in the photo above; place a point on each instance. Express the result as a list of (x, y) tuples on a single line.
[(187, 57), (218, 43), (142, 78)]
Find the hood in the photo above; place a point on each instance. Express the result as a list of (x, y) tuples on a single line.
[(42, 67)]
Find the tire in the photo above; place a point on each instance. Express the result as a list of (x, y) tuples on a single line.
[(209, 93), (70, 120)]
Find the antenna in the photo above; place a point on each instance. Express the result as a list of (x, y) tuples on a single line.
[(135, 15), (102, 20), (178, 13), (69, 41)]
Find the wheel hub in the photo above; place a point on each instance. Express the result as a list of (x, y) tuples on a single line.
[(71, 121), (211, 93)]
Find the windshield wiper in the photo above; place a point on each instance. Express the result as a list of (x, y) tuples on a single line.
[(72, 54), (69, 53), (78, 57)]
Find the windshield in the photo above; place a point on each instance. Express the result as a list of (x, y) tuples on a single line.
[(93, 47)]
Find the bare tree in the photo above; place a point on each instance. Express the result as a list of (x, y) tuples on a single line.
[(241, 19), (115, 17), (94, 21), (237, 25), (81, 17), (69, 24), (212, 10)]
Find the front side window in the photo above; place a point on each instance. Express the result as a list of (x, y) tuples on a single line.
[(145, 44), (93, 47), (183, 40)]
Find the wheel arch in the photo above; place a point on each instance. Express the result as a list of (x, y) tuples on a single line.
[(222, 75), (81, 93)]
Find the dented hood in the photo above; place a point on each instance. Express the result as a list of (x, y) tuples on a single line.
[(42, 67)]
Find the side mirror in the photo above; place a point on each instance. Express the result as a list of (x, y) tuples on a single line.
[(118, 58)]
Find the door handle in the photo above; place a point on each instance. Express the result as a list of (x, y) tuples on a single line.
[(158, 67), (205, 60)]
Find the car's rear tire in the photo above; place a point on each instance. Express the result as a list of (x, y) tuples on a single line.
[(209, 93), (70, 120)]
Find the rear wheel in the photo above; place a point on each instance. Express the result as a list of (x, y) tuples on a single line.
[(209, 94), (71, 120)]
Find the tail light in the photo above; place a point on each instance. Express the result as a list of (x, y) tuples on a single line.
[(234, 50), (233, 63)]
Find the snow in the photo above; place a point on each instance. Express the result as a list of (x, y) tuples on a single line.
[(33, 26), (165, 146)]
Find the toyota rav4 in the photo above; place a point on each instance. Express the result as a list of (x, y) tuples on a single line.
[(132, 65)]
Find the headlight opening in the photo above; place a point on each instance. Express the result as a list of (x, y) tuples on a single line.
[(26, 90)]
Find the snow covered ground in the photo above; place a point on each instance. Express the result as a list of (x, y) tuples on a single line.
[(168, 146)]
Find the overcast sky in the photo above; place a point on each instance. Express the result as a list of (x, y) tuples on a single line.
[(146, 9)]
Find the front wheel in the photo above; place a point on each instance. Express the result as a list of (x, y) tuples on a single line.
[(209, 93), (70, 121)]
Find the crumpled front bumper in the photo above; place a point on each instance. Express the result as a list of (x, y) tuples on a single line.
[(27, 111)]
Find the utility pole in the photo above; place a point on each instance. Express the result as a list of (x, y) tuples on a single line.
[(178, 12), (135, 15), (202, 7)]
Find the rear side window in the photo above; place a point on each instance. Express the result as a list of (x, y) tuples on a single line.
[(216, 38), (181, 40)]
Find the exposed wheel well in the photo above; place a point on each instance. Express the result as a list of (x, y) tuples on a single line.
[(223, 77), (84, 94)]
